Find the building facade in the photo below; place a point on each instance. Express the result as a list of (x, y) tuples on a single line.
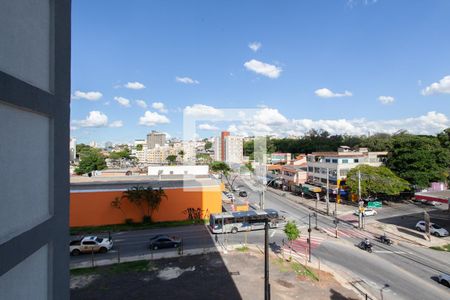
[(73, 149), (34, 107), (234, 149), (155, 138), (339, 163)]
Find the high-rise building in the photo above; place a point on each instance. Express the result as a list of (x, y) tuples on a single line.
[(155, 138), (223, 134), (34, 107), (73, 149), (234, 146), (228, 148)]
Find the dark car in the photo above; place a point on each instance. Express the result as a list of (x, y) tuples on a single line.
[(243, 194), (164, 241)]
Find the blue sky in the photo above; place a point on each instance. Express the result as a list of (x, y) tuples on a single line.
[(319, 64)]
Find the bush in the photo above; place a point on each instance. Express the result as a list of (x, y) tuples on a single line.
[(146, 220), (129, 221)]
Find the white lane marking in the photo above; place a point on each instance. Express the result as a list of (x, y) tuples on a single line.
[(388, 251), (273, 233)]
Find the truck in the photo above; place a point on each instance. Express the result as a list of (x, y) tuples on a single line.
[(89, 244)]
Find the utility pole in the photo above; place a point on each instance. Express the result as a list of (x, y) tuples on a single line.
[(359, 200), (315, 215), (266, 261), (336, 222), (309, 238), (328, 192)]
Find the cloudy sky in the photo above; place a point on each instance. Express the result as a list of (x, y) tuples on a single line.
[(344, 66)]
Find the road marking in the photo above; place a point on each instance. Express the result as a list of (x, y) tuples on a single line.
[(389, 251), (273, 233)]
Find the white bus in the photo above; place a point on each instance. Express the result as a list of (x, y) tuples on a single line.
[(242, 220)]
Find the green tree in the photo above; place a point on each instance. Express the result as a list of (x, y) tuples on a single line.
[(292, 233), (375, 181), (125, 153), (171, 159), (203, 158), (139, 147), (208, 145), (181, 153), (377, 142), (444, 138), (224, 170), (90, 160), (418, 159), (146, 199)]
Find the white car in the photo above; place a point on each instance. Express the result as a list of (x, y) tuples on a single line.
[(444, 279), (435, 229), (367, 212), (90, 244)]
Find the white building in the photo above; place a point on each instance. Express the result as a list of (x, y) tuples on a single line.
[(234, 149), (217, 147), (73, 149), (340, 163), (178, 170)]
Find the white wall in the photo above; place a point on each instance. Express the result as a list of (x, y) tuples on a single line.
[(25, 24), (24, 173), (179, 170)]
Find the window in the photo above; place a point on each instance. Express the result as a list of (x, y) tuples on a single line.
[(356, 160), (89, 243), (345, 161), (334, 161), (327, 160)]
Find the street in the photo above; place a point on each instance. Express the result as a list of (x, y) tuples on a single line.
[(400, 271)]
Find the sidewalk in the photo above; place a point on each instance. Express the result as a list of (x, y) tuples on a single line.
[(342, 209)]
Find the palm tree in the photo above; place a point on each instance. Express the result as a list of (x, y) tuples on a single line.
[(149, 196), (135, 196), (153, 198)]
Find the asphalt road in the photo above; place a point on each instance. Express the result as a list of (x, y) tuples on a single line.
[(391, 272)]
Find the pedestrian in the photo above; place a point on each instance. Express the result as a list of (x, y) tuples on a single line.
[(216, 238)]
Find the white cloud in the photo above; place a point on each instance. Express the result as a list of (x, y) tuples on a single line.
[(269, 121), (206, 126), (326, 93), (122, 101), (441, 87), (141, 103), (94, 119), (134, 85), (255, 46), (159, 106), (262, 68), (152, 118), (186, 80), (116, 124), (201, 110), (386, 99), (91, 96), (268, 116)]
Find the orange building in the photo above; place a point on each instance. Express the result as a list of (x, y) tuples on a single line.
[(91, 199)]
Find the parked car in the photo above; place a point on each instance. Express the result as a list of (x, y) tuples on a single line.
[(431, 203), (367, 212), (435, 229), (243, 194), (164, 241), (444, 279), (90, 244)]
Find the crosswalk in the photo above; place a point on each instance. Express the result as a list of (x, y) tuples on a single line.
[(300, 245), (347, 233)]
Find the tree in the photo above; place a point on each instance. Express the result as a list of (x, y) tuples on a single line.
[(171, 159), (377, 142), (181, 153), (90, 160), (292, 233), (223, 169), (147, 199), (203, 158), (208, 145), (139, 147), (418, 159), (375, 181), (444, 138), (125, 153)]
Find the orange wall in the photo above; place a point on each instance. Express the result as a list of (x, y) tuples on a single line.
[(94, 208)]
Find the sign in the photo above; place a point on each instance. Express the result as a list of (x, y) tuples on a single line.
[(375, 204)]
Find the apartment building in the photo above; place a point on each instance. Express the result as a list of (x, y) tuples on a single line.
[(339, 163), (234, 149), (34, 107), (155, 138), (280, 158), (73, 149)]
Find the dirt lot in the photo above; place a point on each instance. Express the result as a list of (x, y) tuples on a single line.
[(238, 275)]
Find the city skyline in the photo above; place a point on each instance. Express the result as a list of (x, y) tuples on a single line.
[(341, 69)]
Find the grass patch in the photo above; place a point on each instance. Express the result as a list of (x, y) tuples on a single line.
[(133, 266), (242, 249), (132, 226), (300, 269), (442, 248)]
